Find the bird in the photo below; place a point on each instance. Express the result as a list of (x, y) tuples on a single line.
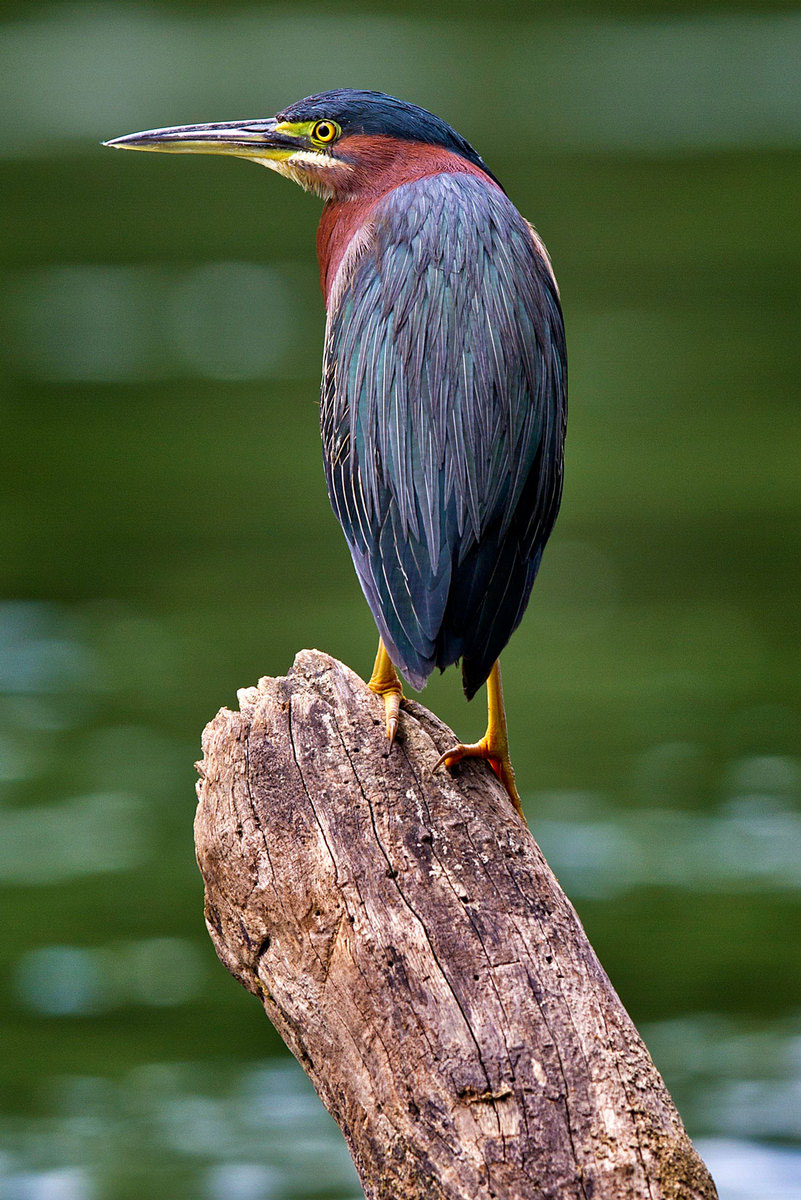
[(444, 386)]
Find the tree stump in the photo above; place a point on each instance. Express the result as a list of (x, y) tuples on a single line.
[(415, 952)]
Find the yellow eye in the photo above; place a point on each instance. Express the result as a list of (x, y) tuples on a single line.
[(325, 131)]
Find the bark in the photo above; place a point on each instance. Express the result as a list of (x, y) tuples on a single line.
[(414, 950)]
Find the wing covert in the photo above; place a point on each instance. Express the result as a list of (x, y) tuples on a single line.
[(443, 412)]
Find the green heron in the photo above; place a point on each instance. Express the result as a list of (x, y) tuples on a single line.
[(444, 380)]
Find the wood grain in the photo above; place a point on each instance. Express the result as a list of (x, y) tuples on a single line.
[(414, 950)]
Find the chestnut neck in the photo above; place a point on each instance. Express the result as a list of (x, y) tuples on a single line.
[(381, 164)]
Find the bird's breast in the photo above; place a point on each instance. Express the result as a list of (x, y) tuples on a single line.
[(344, 228), (347, 218)]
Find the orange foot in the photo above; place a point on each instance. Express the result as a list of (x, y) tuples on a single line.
[(384, 682), (497, 755)]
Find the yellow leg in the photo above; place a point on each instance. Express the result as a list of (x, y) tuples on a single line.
[(384, 682), (494, 746)]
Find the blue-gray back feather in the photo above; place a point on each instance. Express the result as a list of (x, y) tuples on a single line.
[(443, 419)]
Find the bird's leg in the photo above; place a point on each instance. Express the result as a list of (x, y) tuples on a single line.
[(384, 682), (494, 746)]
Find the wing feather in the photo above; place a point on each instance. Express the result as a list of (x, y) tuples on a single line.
[(443, 416)]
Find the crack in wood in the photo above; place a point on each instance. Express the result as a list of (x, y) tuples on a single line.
[(419, 958)]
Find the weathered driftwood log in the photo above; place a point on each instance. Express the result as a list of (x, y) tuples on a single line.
[(417, 955)]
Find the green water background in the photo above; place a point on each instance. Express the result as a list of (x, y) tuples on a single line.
[(166, 538)]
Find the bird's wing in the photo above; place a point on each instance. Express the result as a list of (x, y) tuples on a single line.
[(443, 411)]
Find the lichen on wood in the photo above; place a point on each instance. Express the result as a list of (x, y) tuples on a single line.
[(412, 947)]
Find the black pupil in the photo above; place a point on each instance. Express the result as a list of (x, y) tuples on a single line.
[(324, 132)]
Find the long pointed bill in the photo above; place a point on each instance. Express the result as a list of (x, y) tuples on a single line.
[(245, 139)]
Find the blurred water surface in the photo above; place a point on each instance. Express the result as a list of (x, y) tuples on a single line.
[(166, 539)]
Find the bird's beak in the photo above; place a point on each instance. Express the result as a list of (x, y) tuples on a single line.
[(245, 139)]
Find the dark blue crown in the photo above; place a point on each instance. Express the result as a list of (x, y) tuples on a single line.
[(376, 113)]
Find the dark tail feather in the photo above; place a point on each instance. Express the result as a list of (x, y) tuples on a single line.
[(500, 615)]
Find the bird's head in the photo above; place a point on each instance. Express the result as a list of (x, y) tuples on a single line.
[(335, 144)]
